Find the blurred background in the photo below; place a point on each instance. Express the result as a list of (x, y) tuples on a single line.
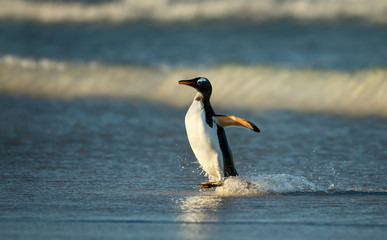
[(92, 135), (305, 55)]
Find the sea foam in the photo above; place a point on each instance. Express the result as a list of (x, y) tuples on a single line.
[(255, 88), (188, 11)]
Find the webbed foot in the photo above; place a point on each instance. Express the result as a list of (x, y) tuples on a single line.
[(208, 185)]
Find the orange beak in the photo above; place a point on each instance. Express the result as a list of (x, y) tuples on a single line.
[(191, 83)]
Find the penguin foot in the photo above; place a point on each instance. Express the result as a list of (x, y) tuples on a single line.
[(208, 185)]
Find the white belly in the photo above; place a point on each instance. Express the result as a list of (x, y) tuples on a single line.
[(204, 141)]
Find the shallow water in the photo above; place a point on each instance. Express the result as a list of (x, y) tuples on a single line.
[(92, 137), (109, 168)]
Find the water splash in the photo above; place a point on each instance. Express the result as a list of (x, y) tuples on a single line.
[(283, 184), (267, 184)]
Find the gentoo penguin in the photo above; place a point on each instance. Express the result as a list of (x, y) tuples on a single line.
[(206, 134)]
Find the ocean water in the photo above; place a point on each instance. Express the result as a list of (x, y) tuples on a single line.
[(105, 168), (340, 46), (92, 135)]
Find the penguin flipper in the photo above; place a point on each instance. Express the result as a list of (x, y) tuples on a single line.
[(208, 185), (229, 120)]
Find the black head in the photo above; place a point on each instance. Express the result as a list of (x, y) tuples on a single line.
[(201, 84)]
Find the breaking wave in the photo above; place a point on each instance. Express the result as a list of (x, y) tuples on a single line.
[(362, 92), (50, 11)]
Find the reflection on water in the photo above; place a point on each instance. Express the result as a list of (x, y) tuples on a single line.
[(197, 210), (199, 213), (200, 208)]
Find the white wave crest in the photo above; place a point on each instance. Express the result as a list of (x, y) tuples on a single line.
[(255, 88), (178, 10)]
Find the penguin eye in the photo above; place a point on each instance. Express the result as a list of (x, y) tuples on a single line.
[(201, 81)]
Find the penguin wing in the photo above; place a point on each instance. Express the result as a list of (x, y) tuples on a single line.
[(228, 120)]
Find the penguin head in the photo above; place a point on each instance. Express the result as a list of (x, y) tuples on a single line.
[(201, 84)]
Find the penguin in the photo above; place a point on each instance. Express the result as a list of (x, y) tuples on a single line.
[(206, 135)]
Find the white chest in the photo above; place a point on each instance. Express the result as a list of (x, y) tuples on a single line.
[(204, 141)]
